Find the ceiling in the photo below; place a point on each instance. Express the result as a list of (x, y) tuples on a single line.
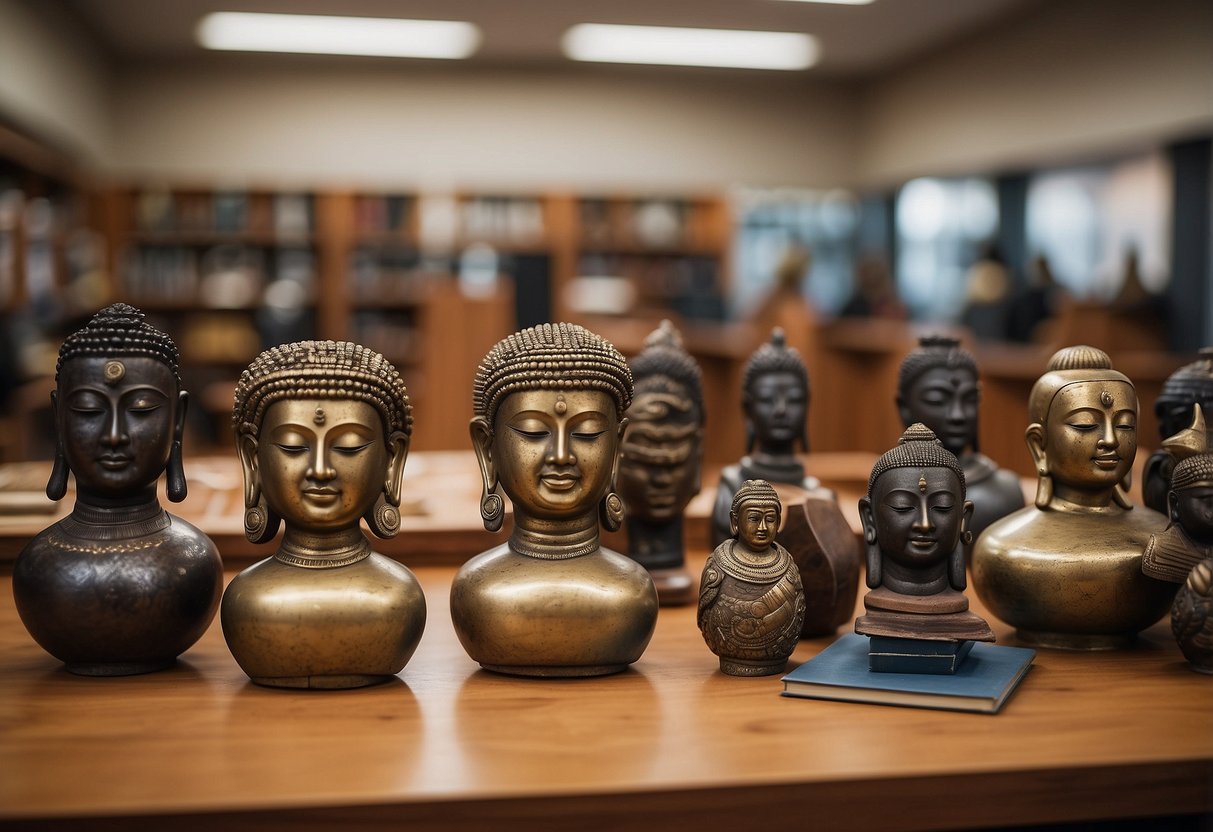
[(855, 41)]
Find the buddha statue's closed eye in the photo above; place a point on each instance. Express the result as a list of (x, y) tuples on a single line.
[(119, 586), (549, 407), (1066, 572), (323, 431)]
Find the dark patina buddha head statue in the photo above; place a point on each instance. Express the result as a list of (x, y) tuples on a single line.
[(937, 386), (1190, 499), (1190, 385), (775, 398), (914, 517), (323, 430), (119, 411), (1083, 431), (549, 405), (661, 456), (754, 517)]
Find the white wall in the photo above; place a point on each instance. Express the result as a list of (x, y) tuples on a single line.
[(1070, 81), (406, 124), (53, 80)]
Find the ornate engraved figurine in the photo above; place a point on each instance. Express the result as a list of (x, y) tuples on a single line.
[(1191, 384), (1172, 552), (119, 586), (938, 386), (1191, 618), (751, 604), (323, 430), (915, 517), (661, 459), (1066, 572), (549, 406)]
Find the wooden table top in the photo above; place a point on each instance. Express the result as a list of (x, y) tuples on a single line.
[(671, 743)]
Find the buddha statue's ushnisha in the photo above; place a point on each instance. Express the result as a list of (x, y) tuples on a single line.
[(751, 603), (775, 400), (119, 586), (1190, 385), (1066, 572), (323, 430), (661, 458), (915, 517), (938, 386), (549, 406)]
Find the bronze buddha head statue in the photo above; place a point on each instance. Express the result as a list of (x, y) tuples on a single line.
[(323, 431), (549, 405), (937, 385), (119, 410), (775, 398), (1190, 385), (1190, 500), (661, 456), (1083, 431), (755, 515), (914, 516)]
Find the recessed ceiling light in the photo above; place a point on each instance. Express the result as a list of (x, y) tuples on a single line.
[(329, 35), (670, 45)]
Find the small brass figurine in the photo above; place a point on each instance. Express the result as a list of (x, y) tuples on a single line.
[(1190, 385), (119, 586), (323, 430), (938, 386), (915, 517), (1188, 539), (1066, 572), (549, 406), (1191, 621), (751, 604), (661, 459)]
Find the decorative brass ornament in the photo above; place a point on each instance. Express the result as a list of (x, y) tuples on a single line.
[(1066, 572), (549, 404), (751, 603), (323, 431), (119, 586)]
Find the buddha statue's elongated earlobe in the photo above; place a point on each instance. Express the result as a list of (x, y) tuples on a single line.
[(492, 504), (1035, 437), (956, 561), (260, 523), (610, 510), (383, 518), (870, 547), (175, 486), (56, 486)]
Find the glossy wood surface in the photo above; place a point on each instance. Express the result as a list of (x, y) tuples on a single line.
[(670, 744)]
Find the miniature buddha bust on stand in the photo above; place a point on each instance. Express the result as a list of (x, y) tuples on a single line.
[(1066, 572), (938, 386), (1188, 539), (549, 406), (1190, 385), (661, 459), (751, 603), (323, 430), (119, 586), (915, 517)]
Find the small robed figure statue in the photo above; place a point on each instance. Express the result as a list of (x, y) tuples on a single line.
[(915, 517), (661, 460), (1188, 538), (751, 603), (323, 430), (119, 586)]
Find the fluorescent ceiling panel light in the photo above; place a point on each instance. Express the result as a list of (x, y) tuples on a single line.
[(838, 2), (329, 35), (669, 45)]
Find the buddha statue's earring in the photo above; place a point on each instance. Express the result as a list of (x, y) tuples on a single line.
[(56, 486), (175, 486), (610, 511), (383, 518), (492, 510), (260, 525)]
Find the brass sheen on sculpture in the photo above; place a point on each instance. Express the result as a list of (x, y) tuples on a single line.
[(938, 386), (661, 460), (549, 406), (1066, 572), (751, 603), (119, 586), (323, 431), (1187, 387)]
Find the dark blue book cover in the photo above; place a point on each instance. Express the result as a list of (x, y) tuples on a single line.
[(840, 672)]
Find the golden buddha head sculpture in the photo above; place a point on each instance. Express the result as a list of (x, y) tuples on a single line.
[(119, 410), (755, 516), (1083, 431), (937, 385), (661, 456), (775, 398), (549, 405), (323, 431), (914, 516)]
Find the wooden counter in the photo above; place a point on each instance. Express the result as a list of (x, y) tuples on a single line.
[(669, 744)]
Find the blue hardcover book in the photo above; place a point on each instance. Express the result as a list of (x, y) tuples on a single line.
[(981, 684)]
